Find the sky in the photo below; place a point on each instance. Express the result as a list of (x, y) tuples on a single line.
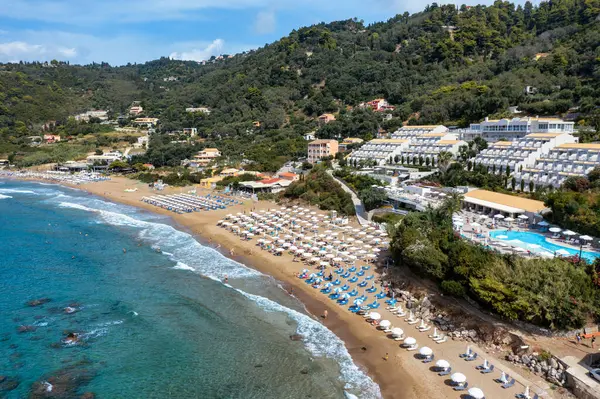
[(123, 31)]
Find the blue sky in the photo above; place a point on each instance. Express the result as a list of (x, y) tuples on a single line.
[(121, 31)]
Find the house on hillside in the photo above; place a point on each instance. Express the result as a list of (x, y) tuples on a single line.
[(146, 122), (326, 118), (190, 131), (310, 136), (203, 158), (289, 176), (51, 138), (378, 105)]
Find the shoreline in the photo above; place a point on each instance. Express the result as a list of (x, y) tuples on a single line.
[(401, 376)]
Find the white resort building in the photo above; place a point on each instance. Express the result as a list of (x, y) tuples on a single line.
[(379, 150), (410, 132), (492, 130), (565, 160), (520, 154)]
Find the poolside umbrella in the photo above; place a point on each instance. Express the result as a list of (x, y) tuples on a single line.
[(523, 217), (375, 316), (426, 351), (569, 233), (410, 341), (586, 238), (476, 393), (397, 332), (458, 378), (443, 364), (509, 219), (543, 223), (555, 229), (385, 323), (498, 216)]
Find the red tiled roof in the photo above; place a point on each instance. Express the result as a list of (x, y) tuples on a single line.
[(288, 174), (269, 181)]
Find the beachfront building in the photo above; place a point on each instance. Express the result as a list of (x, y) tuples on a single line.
[(561, 162), (265, 186), (105, 159), (492, 130), (146, 122), (204, 157), (320, 149), (378, 151), (491, 203), (520, 154), (203, 110), (426, 150)]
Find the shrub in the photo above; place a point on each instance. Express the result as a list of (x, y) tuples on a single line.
[(453, 288)]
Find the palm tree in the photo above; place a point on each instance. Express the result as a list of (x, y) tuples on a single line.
[(444, 160)]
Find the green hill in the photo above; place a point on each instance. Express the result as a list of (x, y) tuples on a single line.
[(443, 65)]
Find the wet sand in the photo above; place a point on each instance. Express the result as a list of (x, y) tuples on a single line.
[(401, 376)]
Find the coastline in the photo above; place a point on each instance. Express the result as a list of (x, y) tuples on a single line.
[(401, 376)]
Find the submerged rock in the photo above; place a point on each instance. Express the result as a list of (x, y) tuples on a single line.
[(26, 329), (296, 337), (64, 383), (9, 384), (38, 302), (88, 395)]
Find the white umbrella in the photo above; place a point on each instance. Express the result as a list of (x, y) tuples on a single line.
[(543, 223), (569, 233), (476, 393), (526, 393), (555, 229), (280, 249), (443, 364), (324, 264), (509, 219), (426, 351), (410, 341), (385, 323), (475, 224), (523, 217), (498, 216), (375, 316), (459, 378), (397, 332), (586, 238)]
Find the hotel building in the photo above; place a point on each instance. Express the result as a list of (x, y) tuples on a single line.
[(492, 130), (320, 149)]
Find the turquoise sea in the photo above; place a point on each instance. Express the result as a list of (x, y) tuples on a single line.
[(149, 324)]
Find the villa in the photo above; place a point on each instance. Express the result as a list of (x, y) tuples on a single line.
[(320, 149), (147, 122), (326, 118), (204, 157)]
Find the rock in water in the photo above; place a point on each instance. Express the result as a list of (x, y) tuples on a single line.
[(38, 302)]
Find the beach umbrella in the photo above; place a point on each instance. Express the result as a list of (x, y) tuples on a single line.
[(385, 323), (458, 378), (324, 264), (586, 238), (293, 248), (498, 216), (410, 341), (569, 233), (397, 332), (442, 364), (523, 217), (426, 351), (555, 229), (375, 316), (476, 393), (280, 249)]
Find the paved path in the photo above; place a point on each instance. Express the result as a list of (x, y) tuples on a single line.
[(361, 214)]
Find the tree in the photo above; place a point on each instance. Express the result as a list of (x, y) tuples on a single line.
[(443, 160), (522, 185), (513, 183), (372, 197), (118, 165), (531, 186)]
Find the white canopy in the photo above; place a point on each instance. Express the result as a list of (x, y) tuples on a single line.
[(459, 378), (586, 238), (499, 216), (569, 233), (476, 393), (397, 332), (523, 217), (555, 229), (443, 364), (375, 316), (385, 323), (410, 341), (426, 351)]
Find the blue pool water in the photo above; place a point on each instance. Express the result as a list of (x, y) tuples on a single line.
[(151, 324), (524, 239)]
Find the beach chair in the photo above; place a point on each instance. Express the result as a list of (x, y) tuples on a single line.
[(353, 279), (371, 277), (360, 273), (352, 269), (366, 267), (488, 370), (467, 353), (441, 341), (509, 384), (353, 293), (381, 295), (400, 313), (412, 322), (429, 359), (343, 301), (462, 387), (374, 305), (500, 381), (371, 290), (337, 282), (393, 308), (413, 347), (472, 357), (363, 284), (448, 371), (391, 302), (345, 287), (346, 275)]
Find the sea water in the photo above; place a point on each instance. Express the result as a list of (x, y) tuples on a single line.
[(150, 323)]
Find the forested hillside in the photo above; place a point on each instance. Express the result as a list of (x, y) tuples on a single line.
[(443, 65)]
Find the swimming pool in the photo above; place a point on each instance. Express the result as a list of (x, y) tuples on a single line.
[(527, 239)]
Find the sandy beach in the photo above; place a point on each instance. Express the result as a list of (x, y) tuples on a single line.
[(401, 375)]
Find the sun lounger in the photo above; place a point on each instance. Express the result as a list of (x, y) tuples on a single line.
[(400, 338), (381, 295), (488, 370), (429, 359), (353, 279), (509, 384), (462, 387), (424, 329), (472, 357), (392, 308), (412, 322), (360, 273), (499, 380), (374, 305), (441, 341), (401, 314), (448, 371), (413, 348), (371, 277)]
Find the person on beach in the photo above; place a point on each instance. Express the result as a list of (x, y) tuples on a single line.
[(325, 314), (124, 251), (386, 357), (578, 338), (231, 252), (226, 280), (593, 341)]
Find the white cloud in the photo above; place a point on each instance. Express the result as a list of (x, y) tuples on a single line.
[(265, 22), (19, 50), (68, 52), (196, 54)]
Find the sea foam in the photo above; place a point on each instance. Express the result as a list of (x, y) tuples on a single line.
[(2, 196)]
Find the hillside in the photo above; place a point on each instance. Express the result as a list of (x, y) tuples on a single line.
[(443, 65)]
